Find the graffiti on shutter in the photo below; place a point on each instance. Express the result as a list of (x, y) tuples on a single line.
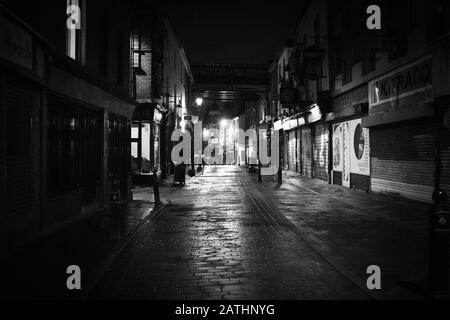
[(321, 152)]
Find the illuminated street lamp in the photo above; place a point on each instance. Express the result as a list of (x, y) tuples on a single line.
[(205, 133), (224, 122), (199, 101)]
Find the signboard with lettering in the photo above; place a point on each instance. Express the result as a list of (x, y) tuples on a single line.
[(402, 88), (16, 45)]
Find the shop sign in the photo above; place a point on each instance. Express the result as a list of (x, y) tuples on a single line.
[(157, 115), (285, 124), (277, 125), (293, 123), (409, 85), (15, 44), (314, 114)]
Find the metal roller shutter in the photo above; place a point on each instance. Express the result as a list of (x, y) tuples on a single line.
[(444, 149), (403, 160), (306, 154), (292, 152), (298, 149), (321, 152), (286, 151), (19, 198)]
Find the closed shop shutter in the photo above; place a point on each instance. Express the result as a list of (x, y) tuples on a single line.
[(306, 154), (403, 160), (292, 152), (321, 152), (118, 153), (286, 151), (444, 149), (19, 181), (299, 149)]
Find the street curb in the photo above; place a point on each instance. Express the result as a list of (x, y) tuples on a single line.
[(105, 264)]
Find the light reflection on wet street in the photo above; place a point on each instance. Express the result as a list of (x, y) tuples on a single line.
[(217, 240)]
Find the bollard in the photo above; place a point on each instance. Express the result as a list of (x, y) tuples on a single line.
[(280, 175), (439, 246), (156, 188), (259, 171)]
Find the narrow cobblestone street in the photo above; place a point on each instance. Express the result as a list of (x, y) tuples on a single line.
[(226, 236)]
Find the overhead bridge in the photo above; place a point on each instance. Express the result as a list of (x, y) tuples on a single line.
[(228, 90)]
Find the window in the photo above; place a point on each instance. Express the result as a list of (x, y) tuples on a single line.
[(74, 29), (74, 148), (119, 60), (317, 31), (103, 44), (145, 147), (175, 59), (181, 74), (279, 72), (136, 47), (118, 151)]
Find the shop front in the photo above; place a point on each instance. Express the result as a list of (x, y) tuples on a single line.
[(320, 151), (23, 83), (441, 97), (403, 132), (350, 142), (301, 148), (146, 142), (351, 155)]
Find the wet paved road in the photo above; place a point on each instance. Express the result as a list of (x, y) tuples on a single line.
[(220, 239)]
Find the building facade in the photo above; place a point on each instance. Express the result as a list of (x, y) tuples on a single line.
[(67, 108), (178, 81), (161, 88), (366, 109), (383, 86), (302, 97)]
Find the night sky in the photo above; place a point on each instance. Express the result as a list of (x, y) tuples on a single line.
[(246, 31)]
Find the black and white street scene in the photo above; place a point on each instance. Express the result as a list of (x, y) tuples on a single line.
[(225, 150)]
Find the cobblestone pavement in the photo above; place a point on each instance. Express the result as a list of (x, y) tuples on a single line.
[(225, 236)]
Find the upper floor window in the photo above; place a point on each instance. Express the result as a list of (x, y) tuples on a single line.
[(136, 47), (317, 35), (175, 59), (120, 59), (74, 29)]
